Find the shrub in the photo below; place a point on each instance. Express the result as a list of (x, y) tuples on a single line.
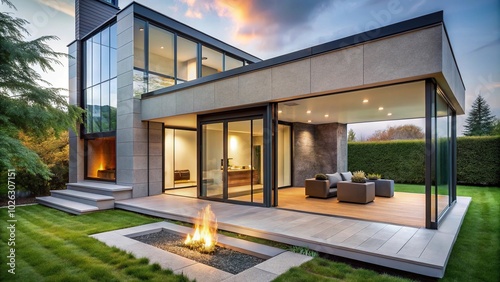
[(359, 177), (374, 176), (321, 176)]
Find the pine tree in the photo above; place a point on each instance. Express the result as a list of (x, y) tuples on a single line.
[(480, 120), (28, 104), (351, 136)]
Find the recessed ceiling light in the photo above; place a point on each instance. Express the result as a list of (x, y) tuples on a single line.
[(280, 111), (326, 115), (380, 108), (141, 29), (389, 114), (308, 112), (309, 121), (161, 47), (365, 101)]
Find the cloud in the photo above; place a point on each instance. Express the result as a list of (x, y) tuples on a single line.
[(267, 23), (494, 43), (65, 6)]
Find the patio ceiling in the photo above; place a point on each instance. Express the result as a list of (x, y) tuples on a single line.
[(400, 101)]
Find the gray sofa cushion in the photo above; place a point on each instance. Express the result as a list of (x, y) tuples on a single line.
[(334, 179), (346, 176)]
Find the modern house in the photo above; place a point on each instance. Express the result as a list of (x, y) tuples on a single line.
[(173, 110)]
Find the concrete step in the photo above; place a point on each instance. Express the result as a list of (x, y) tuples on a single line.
[(119, 192), (102, 202), (66, 205)]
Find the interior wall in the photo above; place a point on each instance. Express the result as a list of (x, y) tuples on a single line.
[(180, 154), (284, 156), (185, 152)]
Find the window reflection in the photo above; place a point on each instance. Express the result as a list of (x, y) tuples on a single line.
[(99, 93)]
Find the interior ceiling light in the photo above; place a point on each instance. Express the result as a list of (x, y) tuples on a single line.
[(280, 111), (141, 29), (204, 58), (380, 108), (161, 47), (365, 101), (326, 115), (389, 114), (309, 121), (308, 112)]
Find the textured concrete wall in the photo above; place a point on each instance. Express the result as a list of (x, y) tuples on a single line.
[(318, 148), (305, 163), (131, 132), (76, 145)]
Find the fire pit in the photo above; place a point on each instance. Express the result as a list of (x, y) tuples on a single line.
[(201, 245), (204, 237)]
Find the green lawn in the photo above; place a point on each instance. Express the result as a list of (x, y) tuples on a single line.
[(475, 256), (54, 246)]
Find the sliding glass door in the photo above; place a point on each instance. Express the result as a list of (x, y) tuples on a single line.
[(232, 160)]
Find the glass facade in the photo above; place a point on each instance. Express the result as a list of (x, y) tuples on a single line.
[(163, 58), (180, 161), (100, 81), (441, 156)]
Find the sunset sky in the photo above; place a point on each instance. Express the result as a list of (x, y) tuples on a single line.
[(268, 28)]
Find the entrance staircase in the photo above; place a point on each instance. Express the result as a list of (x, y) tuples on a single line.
[(85, 197)]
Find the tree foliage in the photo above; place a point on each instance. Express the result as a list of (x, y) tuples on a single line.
[(402, 132), (54, 152), (29, 105), (496, 127), (480, 121), (351, 136)]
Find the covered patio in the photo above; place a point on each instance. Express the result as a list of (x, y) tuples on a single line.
[(408, 248)]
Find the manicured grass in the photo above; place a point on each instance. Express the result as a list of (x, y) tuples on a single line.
[(475, 255), (54, 246)]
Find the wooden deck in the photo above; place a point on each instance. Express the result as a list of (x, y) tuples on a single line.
[(403, 209), (406, 248)]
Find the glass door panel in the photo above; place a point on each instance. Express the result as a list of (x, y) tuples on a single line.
[(257, 161), (239, 153), (212, 150)]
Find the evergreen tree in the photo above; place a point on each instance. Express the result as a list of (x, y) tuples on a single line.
[(480, 120), (28, 104), (351, 136)]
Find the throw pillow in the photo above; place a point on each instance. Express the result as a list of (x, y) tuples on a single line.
[(346, 176), (334, 179)]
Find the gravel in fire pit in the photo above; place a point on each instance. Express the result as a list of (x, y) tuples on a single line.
[(224, 259)]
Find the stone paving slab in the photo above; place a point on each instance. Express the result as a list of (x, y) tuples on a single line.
[(278, 260)]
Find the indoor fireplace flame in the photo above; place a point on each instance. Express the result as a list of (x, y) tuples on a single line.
[(204, 237)]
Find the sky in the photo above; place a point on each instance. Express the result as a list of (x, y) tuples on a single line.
[(269, 28)]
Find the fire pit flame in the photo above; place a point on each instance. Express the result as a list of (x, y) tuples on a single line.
[(204, 237)]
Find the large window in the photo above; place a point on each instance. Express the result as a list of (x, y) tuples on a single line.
[(100, 81), (163, 58)]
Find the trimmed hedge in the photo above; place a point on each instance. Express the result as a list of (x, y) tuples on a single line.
[(478, 160), (403, 161)]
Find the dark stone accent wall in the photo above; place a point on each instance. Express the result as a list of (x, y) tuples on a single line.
[(326, 146), (305, 164), (90, 14), (318, 149)]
